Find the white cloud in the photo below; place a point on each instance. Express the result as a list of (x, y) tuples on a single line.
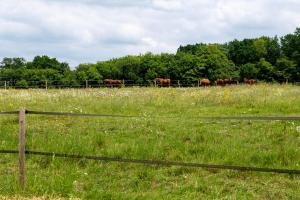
[(91, 30), (167, 4)]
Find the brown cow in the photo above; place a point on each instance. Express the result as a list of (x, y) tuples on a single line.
[(220, 82), (205, 82), (162, 82), (250, 81), (227, 81), (112, 83), (234, 82)]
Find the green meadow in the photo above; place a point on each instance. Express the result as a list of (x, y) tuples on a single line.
[(168, 129)]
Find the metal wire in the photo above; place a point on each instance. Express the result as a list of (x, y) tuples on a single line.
[(9, 113), (266, 118), (76, 114), (130, 116), (156, 162)]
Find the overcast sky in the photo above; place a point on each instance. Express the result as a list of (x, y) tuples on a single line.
[(79, 31)]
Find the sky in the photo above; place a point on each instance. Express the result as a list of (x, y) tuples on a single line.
[(86, 31)]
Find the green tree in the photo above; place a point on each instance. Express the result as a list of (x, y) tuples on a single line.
[(22, 84), (291, 47), (12, 63), (87, 72), (260, 46), (190, 48), (190, 67), (286, 70), (45, 62), (273, 49), (249, 71), (242, 52), (216, 63), (252, 50), (266, 70)]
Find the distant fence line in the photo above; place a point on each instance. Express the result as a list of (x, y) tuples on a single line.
[(91, 84), (22, 151), (97, 84)]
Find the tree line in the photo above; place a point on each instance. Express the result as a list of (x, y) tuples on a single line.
[(268, 59)]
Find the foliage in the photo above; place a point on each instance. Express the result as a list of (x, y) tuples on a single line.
[(286, 70), (291, 46), (249, 71), (12, 63), (87, 72), (266, 70), (22, 84)]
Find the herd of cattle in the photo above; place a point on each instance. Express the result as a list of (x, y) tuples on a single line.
[(162, 82)]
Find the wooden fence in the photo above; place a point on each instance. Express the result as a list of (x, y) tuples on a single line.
[(22, 140)]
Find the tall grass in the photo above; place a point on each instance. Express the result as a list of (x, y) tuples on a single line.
[(168, 130)]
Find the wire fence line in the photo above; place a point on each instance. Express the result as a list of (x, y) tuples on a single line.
[(22, 128), (9, 113), (91, 84), (58, 84), (77, 114), (155, 162), (264, 118)]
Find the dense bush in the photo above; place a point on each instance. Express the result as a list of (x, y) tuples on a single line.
[(22, 84)]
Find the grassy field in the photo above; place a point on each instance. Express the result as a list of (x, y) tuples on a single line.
[(168, 130)]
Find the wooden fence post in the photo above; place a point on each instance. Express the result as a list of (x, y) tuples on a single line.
[(46, 85), (22, 130), (86, 84), (5, 85), (155, 84)]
